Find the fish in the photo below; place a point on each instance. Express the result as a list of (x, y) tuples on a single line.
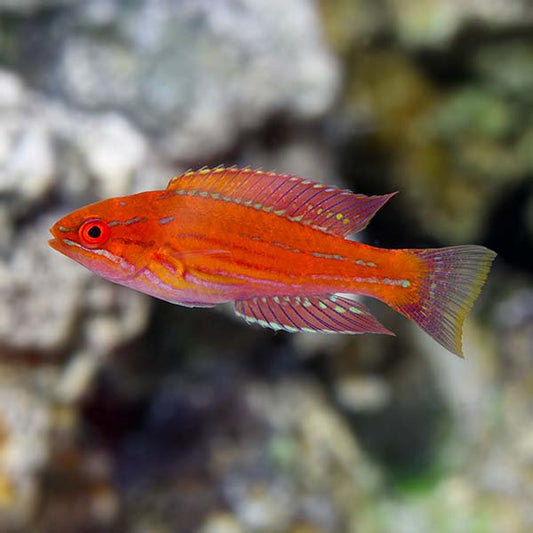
[(278, 247)]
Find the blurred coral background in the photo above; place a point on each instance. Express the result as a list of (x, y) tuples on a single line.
[(119, 413)]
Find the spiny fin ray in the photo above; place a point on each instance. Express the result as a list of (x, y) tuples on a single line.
[(336, 211), (326, 314)]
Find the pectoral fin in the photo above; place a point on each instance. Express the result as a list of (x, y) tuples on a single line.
[(326, 314), (170, 264)]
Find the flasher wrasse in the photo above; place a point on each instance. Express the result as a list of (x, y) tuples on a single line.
[(276, 246)]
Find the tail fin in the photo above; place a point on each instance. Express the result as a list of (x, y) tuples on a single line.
[(447, 292)]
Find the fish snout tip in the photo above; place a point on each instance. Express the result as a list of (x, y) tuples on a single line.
[(55, 241)]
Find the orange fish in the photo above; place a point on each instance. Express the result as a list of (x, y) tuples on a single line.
[(276, 245)]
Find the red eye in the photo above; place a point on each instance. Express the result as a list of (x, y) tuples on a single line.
[(94, 232)]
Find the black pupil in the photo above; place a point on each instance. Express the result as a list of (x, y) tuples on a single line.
[(94, 232)]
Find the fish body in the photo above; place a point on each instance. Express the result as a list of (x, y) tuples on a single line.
[(276, 245)]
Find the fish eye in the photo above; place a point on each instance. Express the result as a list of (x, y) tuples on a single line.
[(94, 232)]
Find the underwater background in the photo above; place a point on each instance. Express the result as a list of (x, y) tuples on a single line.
[(120, 413)]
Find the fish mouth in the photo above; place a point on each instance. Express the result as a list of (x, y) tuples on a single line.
[(54, 243)]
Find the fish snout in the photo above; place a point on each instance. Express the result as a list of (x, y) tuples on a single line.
[(58, 233), (54, 243)]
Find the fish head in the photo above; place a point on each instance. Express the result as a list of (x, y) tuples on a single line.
[(110, 237)]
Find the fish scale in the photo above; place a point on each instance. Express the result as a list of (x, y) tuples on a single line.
[(276, 246)]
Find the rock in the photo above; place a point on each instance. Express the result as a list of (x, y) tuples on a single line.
[(454, 150), (25, 423), (183, 73), (459, 154), (43, 143), (513, 78), (11, 92), (6, 240), (31, 165), (43, 295), (160, 70), (412, 24), (353, 23), (261, 506), (514, 319), (30, 7), (221, 523), (113, 316), (280, 458), (113, 149), (27, 159), (362, 394), (437, 22), (77, 377), (77, 489), (201, 421), (303, 155), (39, 305), (42, 307)]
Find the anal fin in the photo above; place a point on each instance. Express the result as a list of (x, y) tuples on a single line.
[(326, 314)]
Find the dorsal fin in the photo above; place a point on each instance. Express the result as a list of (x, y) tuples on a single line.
[(336, 211)]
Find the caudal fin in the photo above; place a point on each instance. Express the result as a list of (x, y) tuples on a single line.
[(447, 291)]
